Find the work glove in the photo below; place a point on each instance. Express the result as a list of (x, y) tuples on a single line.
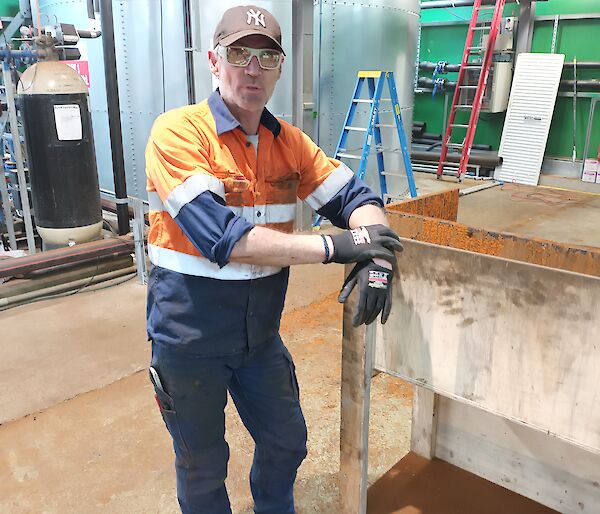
[(365, 243), (374, 292)]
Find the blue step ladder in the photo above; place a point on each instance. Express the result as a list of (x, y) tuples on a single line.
[(373, 131)]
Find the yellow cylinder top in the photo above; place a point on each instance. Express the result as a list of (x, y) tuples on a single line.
[(50, 78)]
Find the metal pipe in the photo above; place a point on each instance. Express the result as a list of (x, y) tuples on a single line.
[(25, 8), (450, 67), (8, 217), (114, 114), (487, 160), (430, 66), (7, 54), (9, 301), (90, 9), (188, 44), (589, 85), (76, 254)]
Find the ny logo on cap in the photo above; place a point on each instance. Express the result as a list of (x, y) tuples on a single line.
[(257, 16)]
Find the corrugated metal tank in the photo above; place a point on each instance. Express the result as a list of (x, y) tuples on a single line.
[(151, 69), (352, 36), (152, 78)]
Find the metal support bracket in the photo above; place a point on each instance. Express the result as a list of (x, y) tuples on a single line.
[(138, 235)]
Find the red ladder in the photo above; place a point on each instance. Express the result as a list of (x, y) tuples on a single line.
[(475, 25)]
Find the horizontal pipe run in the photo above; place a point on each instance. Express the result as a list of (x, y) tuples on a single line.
[(78, 253), (585, 85), (487, 160), (443, 4), (453, 68), (13, 301)]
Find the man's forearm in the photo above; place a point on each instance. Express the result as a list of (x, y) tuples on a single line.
[(367, 215), (266, 247)]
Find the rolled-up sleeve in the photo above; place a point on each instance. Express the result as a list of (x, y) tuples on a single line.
[(177, 165)]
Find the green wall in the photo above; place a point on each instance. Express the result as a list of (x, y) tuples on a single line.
[(576, 38), (9, 7)]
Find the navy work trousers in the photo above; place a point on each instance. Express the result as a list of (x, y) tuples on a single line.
[(265, 392)]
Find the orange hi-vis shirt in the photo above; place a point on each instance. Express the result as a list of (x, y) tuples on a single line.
[(208, 186)]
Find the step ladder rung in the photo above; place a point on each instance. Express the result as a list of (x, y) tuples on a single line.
[(468, 87), (474, 66), (487, 8), (355, 129), (362, 101), (482, 27), (457, 146), (464, 107), (452, 164), (459, 125), (348, 155), (478, 48), (385, 125), (388, 174)]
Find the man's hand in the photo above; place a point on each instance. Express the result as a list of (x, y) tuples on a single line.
[(365, 243), (374, 292)]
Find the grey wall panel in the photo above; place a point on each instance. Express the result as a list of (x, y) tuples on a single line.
[(353, 36)]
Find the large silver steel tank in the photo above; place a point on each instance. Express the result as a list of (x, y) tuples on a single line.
[(352, 36)]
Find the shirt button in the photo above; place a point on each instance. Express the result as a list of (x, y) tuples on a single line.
[(248, 143), (258, 214)]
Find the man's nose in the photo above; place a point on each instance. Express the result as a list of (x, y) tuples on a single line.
[(253, 67)]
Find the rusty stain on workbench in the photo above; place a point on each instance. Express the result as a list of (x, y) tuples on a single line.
[(424, 219), (443, 206)]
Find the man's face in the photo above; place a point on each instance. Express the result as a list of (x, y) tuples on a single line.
[(248, 88)]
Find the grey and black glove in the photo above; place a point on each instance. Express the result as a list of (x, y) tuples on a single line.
[(365, 243), (374, 292)]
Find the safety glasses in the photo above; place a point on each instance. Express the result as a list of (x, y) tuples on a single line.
[(268, 58)]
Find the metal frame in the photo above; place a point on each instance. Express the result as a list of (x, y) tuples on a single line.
[(14, 129), (138, 235), (594, 101)]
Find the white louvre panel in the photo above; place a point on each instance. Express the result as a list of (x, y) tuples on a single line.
[(528, 118)]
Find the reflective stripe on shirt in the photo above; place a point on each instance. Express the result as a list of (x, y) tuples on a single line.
[(201, 267), (258, 214), (330, 187), (190, 189)]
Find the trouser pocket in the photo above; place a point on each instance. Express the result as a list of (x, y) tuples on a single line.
[(168, 411), (293, 377)]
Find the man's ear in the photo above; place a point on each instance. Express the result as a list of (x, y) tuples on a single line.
[(213, 60)]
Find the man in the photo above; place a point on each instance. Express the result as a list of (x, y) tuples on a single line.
[(223, 178)]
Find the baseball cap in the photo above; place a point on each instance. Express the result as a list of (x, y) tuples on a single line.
[(246, 20)]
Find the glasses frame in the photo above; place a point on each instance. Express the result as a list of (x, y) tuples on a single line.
[(254, 52)]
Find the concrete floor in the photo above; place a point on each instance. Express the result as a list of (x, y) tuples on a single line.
[(80, 431), (86, 436)]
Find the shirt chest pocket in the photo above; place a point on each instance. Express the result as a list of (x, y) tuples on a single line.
[(283, 189)]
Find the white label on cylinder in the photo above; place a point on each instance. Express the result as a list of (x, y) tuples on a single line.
[(68, 122)]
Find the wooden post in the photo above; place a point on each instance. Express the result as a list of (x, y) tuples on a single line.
[(424, 422), (357, 366)]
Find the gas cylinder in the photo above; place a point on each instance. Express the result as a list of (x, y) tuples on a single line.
[(54, 104)]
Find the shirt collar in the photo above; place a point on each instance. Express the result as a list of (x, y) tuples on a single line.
[(225, 121)]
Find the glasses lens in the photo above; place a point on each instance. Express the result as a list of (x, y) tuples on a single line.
[(269, 58), (238, 55)]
